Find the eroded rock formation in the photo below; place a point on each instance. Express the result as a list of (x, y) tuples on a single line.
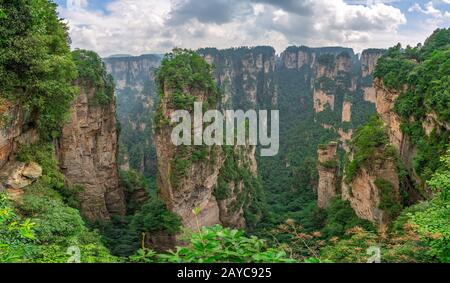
[(365, 194), (369, 59), (328, 168), (15, 130), (189, 184), (87, 151)]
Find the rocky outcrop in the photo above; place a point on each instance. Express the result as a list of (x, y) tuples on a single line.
[(16, 176), (365, 194), (347, 111), (132, 72), (16, 129), (345, 137), (244, 71), (202, 190), (298, 57), (369, 59), (322, 100), (328, 168), (385, 103), (87, 152), (370, 94), (194, 189)]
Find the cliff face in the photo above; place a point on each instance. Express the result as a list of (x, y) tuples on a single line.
[(246, 75), (369, 59), (218, 181), (385, 103), (191, 191), (365, 195), (324, 66), (136, 100), (328, 174), (15, 130), (132, 72), (197, 185), (87, 152)]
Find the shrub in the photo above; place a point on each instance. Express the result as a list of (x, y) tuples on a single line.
[(92, 74), (388, 202), (36, 67), (154, 217), (219, 245), (368, 139)]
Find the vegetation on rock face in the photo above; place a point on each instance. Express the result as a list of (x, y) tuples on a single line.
[(92, 75), (184, 73), (419, 234), (123, 234), (425, 72), (366, 146), (36, 69), (39, 73), (431, 223), (218, 245), (42, 226), (387, 202), (183, 78)]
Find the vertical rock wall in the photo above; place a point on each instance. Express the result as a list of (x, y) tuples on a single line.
[(87, 151)]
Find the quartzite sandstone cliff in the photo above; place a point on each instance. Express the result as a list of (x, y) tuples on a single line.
[(87, 152)]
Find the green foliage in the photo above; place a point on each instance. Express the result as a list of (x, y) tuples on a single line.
[(122, 234), (330, 164), (419, 234), (16, 236), (183, 73), (47, 219), (388, 202), (45, 230), (393, 68), (432, 223), (118, 236), (425, 72), (43, 153), (154, 217), (224, 245), (131, 181), (92, 75), (340, 218), (366, 142), (326, 84), (36, 67), (352, 249), (327, 60)]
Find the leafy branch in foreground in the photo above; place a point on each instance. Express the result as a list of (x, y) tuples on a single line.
[(217, 245)]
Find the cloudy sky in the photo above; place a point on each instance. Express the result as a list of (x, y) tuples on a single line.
[(156, 26)]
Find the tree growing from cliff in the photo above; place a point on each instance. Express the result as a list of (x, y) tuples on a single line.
[(36, 69), (422, 77)]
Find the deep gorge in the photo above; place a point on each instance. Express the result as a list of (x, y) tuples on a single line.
[(86, 159)]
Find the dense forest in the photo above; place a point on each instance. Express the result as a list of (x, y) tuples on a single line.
[(264, 209)]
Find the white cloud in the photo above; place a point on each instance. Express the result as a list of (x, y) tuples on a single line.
[(435, 15), (140, 26)]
